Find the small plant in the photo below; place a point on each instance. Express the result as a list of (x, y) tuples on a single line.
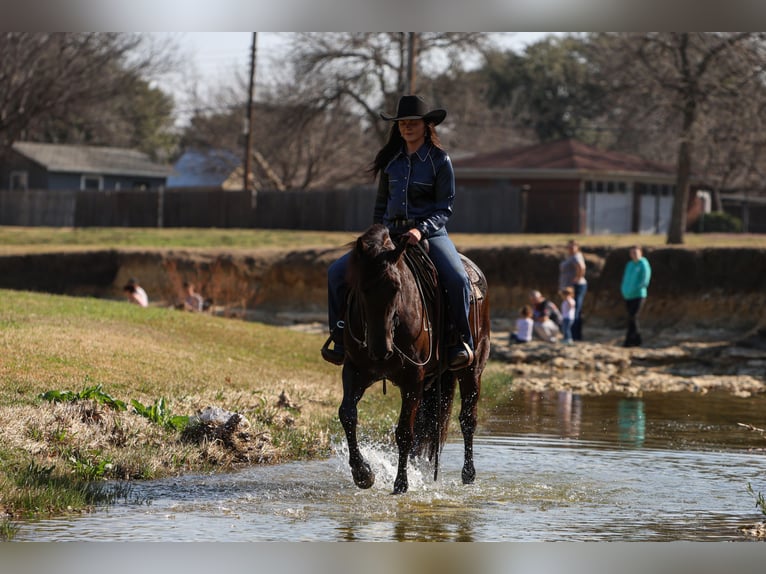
[(760, 501), (8, 530), (94, 393), (89, 467), (160, 414)]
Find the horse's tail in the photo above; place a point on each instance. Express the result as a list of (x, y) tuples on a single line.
[(432, 421)]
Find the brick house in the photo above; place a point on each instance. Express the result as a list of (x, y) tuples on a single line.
[(570, 187)]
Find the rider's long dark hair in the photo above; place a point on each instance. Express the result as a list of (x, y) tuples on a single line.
[(394, 146)]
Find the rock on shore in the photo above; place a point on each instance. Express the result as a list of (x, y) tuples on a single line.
[(690, 361)]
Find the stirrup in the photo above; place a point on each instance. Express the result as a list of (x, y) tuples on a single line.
[(336, 355), (467, 360)]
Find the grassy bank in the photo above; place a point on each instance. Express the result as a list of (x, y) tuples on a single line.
[(50, 451), (68, 454)]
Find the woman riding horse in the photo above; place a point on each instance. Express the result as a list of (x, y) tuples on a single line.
[(416, 191)]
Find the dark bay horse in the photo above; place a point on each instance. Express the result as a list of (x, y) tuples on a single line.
[(394, 332)]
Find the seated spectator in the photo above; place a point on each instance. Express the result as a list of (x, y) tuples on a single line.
[(524, 324), (193, 301), (546, 316), (135, 293)]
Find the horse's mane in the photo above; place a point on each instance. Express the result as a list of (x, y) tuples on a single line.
[(364, 252)]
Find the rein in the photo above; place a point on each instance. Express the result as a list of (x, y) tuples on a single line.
[(425, 320)]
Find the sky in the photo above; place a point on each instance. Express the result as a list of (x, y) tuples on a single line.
[(214, 59), (218, 54)]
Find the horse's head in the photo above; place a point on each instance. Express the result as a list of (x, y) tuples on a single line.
[(375, 277)]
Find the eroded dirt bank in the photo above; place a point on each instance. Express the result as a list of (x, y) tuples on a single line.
[(720, 288), (704, 321)]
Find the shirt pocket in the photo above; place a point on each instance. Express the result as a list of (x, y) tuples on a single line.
[(421, 191)]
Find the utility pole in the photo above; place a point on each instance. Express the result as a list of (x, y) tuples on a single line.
[(412, 50), (249, 136)]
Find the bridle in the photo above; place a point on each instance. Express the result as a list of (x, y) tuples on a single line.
[(426, 325)]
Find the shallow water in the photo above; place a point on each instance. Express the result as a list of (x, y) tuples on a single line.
[(550, 466)]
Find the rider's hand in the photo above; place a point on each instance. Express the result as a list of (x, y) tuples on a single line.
[(414, 236)]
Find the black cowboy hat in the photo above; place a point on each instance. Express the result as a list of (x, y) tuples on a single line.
[(413, 108)]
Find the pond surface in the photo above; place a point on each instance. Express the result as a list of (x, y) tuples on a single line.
[(550, 466)]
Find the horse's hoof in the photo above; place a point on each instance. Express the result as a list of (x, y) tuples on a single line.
[(363, 476), (400, 487), (468, 475)]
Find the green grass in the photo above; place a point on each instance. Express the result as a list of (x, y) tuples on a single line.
[(42, 239)]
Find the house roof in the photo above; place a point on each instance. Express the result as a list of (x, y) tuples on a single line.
[(203, 168), (65, 158), (564, 156)]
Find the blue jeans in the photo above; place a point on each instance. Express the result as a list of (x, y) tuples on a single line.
[(452, 276), (579, 296), (566, 329)]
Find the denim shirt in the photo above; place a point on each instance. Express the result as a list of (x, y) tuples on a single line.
[(420, 187)]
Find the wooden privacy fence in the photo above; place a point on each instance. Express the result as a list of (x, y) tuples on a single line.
[(476, 210)]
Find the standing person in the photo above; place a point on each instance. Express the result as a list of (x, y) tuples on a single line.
[(572, 274), (635, 281), (524, 325), (416, 191), (567, 313), (135, 293)]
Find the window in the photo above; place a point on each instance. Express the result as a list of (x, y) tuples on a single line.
[(91, 183), (606, 186), (19, 181)]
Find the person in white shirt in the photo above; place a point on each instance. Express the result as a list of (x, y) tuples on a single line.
[(524, 324), (135, 293)]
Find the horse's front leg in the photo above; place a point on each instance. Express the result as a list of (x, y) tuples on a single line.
[(470, 385), (411, 399), (353, 389)]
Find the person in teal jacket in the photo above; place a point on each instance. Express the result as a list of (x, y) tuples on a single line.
[(635, 281)]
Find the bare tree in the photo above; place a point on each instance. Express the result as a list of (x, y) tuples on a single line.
[(678, 80), (317, 124), (45, 76), (370, 69)]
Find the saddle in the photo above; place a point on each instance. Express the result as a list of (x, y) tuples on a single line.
[(423, 268), (417, 259)]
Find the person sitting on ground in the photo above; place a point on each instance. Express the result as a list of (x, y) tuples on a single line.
[(546, 316), (135, 293), (524, 324), (193, 301)]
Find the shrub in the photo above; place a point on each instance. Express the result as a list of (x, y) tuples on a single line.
[(717, 222)]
